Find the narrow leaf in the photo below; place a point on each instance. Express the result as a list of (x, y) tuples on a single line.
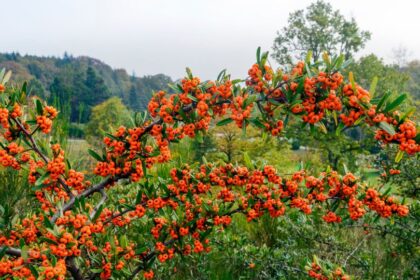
[(95, 155), (394, 104), (387, 127), (373, 87), (224, 122)]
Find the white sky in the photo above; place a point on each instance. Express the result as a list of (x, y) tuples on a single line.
[(165, 36)]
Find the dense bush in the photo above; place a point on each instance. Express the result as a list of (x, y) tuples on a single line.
[(143, 209)]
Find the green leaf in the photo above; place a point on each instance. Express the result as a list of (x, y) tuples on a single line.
[(244, 123), (48, 224), (221, 75), (258, 55), (263, 60), (48, 240), (248, 101), (407, 114), (346, 170), (41, 179), (373, 87), (399, 156), (322, 127), (275, 102), (177, 88), (98, 213), (394, 104), (382, 100), (339, 61), (308, 70), (6, 77), (257, 123), (141, 249), (68, 164), (326, 59), (34, 271), (347, 63), (417, 138), (112, 136), (189, 73), (334, 113), (286, 121), (353, 84), (124, 241), (199, 137), (139, 196), (24, 252), (224, 122), (192, 97), (95, 155), (308, 57), (39, 108), (387, 127), (248, 161), (387, 191), (3, 251), (358, 121)]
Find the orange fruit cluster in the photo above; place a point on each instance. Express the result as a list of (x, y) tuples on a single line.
[(13, 156), (316, 272), (405, 136), (384, 207), (4, 117), (45, 120), (57, 167), (331, 217), (239, 113), (148, 274), (258, 79)]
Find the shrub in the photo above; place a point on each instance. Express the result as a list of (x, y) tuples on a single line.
[(80, 228)]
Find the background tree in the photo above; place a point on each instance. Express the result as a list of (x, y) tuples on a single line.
[(106, 116), (413, 70), (81, 82), (319, 28), (390, 77), (133, 97)]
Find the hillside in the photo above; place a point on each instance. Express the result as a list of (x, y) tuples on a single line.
[(76, 84)]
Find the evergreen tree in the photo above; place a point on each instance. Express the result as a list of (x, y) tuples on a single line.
[(132, 97)]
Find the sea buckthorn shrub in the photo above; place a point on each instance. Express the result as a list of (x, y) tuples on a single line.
[(76, 232)]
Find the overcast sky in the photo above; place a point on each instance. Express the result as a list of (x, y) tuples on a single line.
[(165, 36)]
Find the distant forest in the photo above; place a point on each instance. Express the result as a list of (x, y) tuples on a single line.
[(76, 84)]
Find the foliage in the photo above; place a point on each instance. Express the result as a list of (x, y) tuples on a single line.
[(105, 117), (14, 192), (413, 70), (389, 77), (80, 82), (347, 146), (142, 211), (318, 29)]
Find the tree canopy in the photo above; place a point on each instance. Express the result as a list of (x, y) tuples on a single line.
[(319, 29)]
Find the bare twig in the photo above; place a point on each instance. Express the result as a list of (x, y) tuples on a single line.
[(102, 201), (73, 269), (88, 192), (354, 251), (12, 251)]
